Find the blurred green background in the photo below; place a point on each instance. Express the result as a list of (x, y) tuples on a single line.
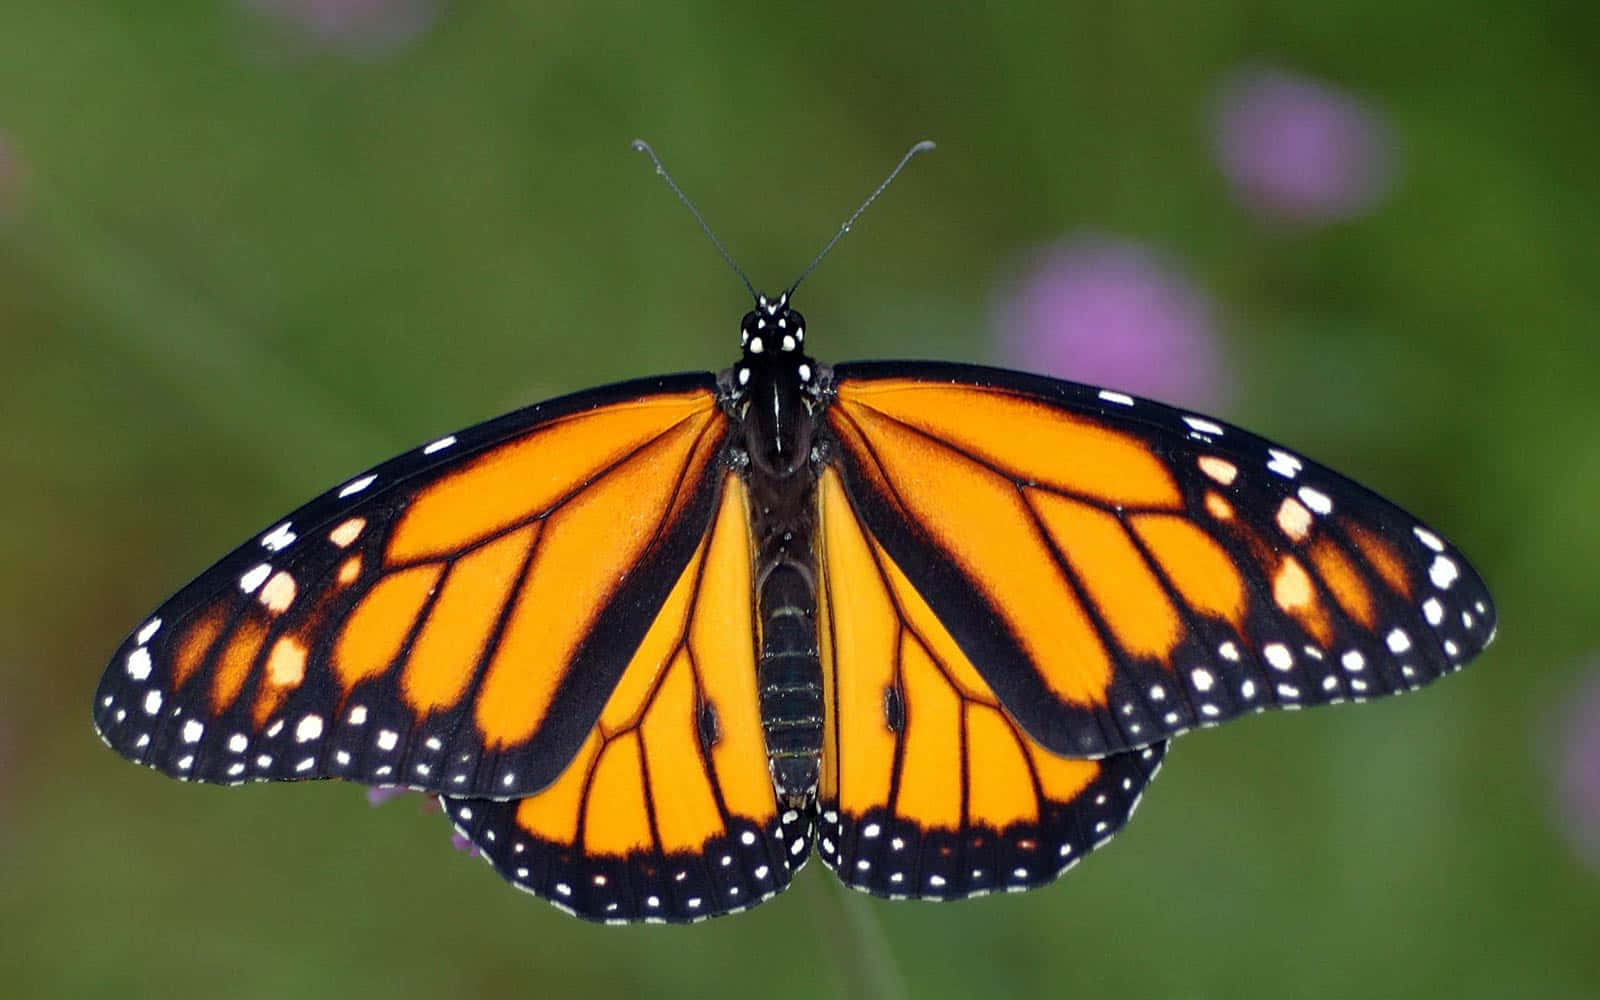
[(248, 247)]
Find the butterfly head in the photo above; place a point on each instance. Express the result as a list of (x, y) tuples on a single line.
[(774, 339)]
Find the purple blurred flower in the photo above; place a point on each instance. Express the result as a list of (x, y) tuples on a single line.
[(379, 794), (1577, 770), (1113, 313), (356, 27), (1300, 151)]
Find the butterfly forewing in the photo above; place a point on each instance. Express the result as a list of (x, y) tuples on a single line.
[(1119, 571), (453, 620)]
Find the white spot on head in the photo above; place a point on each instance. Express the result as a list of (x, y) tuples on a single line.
[(355, 486), (193, 730), (439, 445), (148, 632), (1443, 572), (387, 739), (139, 664), (1316, 500), (152, 702), (1278, 655), (1428, 538), (309, 729), (1283, 463), (1398, 641), (1120, 398), (254, 578), (1203, 425)]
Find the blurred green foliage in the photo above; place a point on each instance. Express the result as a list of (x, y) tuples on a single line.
[(236, 266)]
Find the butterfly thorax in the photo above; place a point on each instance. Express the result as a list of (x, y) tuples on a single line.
[(772, 396)]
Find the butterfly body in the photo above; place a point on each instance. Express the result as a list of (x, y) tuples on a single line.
[(772, 397), (653, 643)]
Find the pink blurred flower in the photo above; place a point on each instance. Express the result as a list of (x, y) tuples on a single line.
[(356, 27), (1300, 151), (379, 794), (1577, 770), (1113, 313)]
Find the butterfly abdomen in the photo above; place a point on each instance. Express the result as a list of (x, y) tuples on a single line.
[(790, 681)]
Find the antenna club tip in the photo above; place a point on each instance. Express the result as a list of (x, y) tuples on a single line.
[(924, 146), (639, 146)]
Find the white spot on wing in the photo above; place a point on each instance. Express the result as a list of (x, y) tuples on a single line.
[(1203, 425), (148, 632), (254, 578), (278, 538), (1443, 572), (355, 486), (152, 702), (193, 730), (1316, 500), (1121, 399), (1428, 538), (139, 664), (439, 445), (1283, 463), (309, 729)]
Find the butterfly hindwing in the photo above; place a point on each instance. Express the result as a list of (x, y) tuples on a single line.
[(930, 789), (1119, 571), (667, 813), (453, 620)]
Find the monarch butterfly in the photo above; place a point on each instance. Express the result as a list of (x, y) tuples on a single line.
[(652, 641)]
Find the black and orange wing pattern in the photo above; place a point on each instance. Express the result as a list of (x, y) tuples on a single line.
[(667, 813), (930, 789), (453, 620), (1118, 571)]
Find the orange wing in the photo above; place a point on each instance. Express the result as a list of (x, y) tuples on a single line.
[(930, 789), (454, 620), (667, 813), (1118, 571)]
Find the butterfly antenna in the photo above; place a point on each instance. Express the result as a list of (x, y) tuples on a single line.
[(661, 171), (921, 147)]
